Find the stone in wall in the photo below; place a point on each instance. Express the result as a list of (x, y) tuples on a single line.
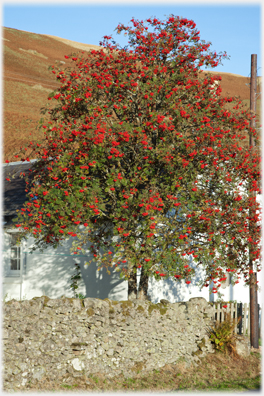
[(45, 337)]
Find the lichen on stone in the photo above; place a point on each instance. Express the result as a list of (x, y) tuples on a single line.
[(46, 299), (126, 312), (109, 301), (201, 344), (90, 312), (126, 304), (159, 307), (197, 353), (138, 367)]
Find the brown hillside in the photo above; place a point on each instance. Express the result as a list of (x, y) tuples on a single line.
[(27, 82)]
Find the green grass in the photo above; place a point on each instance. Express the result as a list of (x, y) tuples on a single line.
[(69, 386), (247, 384)]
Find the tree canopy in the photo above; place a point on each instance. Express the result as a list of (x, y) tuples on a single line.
[(143, 152)]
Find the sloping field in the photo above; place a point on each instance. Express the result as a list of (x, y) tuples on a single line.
[(27, 82)]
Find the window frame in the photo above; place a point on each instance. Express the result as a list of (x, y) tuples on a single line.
[(14, 250), (227, 282)]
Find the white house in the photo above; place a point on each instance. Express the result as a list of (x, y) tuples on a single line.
[(27, 275)]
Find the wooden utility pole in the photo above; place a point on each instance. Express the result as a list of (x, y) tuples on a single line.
[(253, 297)]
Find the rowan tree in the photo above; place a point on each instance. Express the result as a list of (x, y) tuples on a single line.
[(143, 152)]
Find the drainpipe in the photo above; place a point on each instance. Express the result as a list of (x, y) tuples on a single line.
[(211, 295), (231, 289)]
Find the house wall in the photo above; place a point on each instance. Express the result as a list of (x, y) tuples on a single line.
[(49, 273)]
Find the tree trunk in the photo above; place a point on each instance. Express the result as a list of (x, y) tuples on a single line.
[(143, 285), (132, 286)]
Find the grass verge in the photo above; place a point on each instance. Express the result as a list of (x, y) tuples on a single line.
[(217, 372)]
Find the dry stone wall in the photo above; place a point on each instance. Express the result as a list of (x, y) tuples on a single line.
[(54, 337)]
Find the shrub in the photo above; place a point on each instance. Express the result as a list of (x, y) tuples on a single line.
[(223, 336)]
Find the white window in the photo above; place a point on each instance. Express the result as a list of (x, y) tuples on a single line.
[(227, 282), (13, 262)]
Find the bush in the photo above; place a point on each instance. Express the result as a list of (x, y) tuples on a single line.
[(223, 336)]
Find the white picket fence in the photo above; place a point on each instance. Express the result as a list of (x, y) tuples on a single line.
[(236, 310)]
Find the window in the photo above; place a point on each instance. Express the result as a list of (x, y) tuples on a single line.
[(15, 254), (227, 282), (14, 262)]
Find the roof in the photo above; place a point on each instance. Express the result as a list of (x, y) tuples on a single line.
[(14, 194)]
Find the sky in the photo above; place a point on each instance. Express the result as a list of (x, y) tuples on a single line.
[(234, 28)]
